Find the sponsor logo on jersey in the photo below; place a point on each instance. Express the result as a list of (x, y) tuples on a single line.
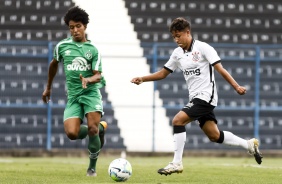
[(79, 64), (196, 56), (192, 72)]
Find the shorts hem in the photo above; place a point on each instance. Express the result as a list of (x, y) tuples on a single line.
[(72, 117)]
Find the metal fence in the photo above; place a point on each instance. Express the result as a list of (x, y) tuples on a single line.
[(154, 52), (257, 54)]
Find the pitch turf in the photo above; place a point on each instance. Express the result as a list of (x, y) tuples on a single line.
[(197, 170)]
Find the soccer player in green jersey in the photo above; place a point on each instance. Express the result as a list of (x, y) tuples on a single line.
[(83, 70)]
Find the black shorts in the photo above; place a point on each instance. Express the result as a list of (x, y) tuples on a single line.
[(200, 110)]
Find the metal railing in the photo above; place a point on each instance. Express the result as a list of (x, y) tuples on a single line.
[(261, 53), (154, 52)]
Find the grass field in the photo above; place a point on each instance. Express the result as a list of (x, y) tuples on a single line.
[(197, 170)]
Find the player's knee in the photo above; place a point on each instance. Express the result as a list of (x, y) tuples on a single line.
[(213, 137), (72, 135), (93, 130), (177, 122)]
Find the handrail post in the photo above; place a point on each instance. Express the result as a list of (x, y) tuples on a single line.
[(257, 93), (49, 106), (155, 65)]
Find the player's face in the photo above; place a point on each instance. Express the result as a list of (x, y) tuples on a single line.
[(182, 38), (77, 30)]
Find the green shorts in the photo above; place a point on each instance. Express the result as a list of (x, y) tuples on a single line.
[(79, 106)]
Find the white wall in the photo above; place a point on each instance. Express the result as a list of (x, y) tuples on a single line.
[(110, 29)]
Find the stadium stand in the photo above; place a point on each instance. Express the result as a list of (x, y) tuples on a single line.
[(239, 22), (213, 22), (210, 21), (23, 74)]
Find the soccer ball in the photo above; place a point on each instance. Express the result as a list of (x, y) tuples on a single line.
[(120, 169)]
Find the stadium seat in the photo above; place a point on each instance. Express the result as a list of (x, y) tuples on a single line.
[(36, 20), (227, 22)]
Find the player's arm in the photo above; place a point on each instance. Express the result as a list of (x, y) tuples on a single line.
[(95, 78), (53, 68), (163, 73), (226, 75)]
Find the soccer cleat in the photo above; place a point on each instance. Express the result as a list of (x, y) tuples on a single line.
[(91, 172), (171, 168), (102, 134), (253, 145)]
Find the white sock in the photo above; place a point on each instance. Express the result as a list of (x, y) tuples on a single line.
[(179, 143), (233, 140)]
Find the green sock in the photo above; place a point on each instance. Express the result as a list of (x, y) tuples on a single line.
[(94, 150), (101, 128), (83, 132)]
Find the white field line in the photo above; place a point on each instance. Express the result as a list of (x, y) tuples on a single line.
[(249, 165), (6, 161), (53, 161)]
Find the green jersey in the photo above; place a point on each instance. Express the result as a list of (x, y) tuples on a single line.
[(78, 58)]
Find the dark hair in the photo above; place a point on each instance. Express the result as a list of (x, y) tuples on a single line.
[(76, 14), (179, 24)]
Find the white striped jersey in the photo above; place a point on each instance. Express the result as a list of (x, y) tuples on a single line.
[(197, 67)]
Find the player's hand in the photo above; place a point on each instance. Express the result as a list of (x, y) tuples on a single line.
[(241, 90), (84, 81), (137, 80), (46, 95)]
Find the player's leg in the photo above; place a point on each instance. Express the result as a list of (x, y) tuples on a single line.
[(102, 130), (179, 136), (93, 109), (210, 128), (73, 115), (92, 102), (94, 144), (72, 128), (215, 135), (193, 110)]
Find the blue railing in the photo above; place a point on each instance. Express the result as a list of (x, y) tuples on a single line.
[(261, 53), (151, 51), (30, 49)]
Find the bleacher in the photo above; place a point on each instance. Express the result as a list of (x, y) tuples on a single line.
[(216, 22), (23, 75), (23, 68)]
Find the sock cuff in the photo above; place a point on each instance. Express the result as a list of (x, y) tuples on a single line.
[(93, 155), (221, 137), (178, 129)]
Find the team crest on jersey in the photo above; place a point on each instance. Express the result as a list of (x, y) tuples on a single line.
[(88, 55), (196, 56)]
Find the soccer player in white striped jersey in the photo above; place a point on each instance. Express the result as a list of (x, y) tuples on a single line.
[(197, 60)]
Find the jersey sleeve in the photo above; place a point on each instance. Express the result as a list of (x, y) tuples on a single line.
[(56, 54), (210, 54), (97, 65), (171, 64), (96, 62)]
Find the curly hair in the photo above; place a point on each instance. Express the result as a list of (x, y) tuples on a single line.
[(179, 24), (76, 14)]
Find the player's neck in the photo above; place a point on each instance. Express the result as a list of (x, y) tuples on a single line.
[(81, 41), (189, 43)]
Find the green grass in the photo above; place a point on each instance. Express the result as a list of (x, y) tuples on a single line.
[(197, 170)]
